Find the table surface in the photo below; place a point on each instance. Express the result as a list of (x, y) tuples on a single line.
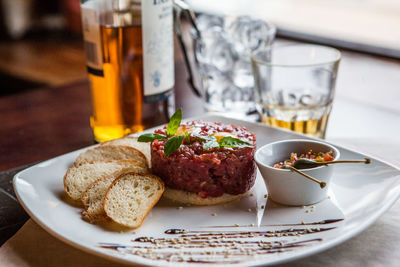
[(44, 123)]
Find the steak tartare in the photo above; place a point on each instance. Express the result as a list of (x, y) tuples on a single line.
[(208, 172)]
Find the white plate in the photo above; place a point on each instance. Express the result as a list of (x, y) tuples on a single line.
[(358, 196)]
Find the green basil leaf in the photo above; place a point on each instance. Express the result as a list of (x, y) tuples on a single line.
[(210, 144), (229, 141), (172, 144), (174, 122), (187, 136), (150, 137), (205, 138)]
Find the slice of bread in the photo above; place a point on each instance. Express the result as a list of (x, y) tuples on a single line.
[(111, 152), (78, 178), (131, 196), (194, 199), (132, 142), (93, 197)]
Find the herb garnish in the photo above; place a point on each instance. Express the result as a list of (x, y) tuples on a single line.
[(174, 141), (150, 137), (229, 141), (172, 144), (203, 137), (174, 122), (210, 144), (187, 136)]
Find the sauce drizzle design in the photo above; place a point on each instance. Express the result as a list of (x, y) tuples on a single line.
[(225, 246)]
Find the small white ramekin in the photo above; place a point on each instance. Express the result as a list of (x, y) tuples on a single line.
[(290, 188)]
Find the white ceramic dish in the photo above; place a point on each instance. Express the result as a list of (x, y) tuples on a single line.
[(290, 188), (358, 196)]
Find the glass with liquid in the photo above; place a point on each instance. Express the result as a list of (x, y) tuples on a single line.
[(129, 51), (294, 87)]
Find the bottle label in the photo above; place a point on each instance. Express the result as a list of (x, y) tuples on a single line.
[(158, 57), (91, 37)]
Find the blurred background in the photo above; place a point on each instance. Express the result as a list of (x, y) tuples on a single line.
[(41, 43)]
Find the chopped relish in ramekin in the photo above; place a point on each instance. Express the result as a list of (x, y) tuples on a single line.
[(318, 157)]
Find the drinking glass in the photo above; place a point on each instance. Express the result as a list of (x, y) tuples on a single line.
[(295, 85), (222, 47)]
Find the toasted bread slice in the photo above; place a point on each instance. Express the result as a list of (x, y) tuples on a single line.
[(111, 152), (93, 197), (131, 196), (194, 199), (78, 178), (132, 142)]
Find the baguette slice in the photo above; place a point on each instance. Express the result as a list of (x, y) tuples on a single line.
[(131, 196), (78, 178), (110, 153), (93, 197), (132, 142)]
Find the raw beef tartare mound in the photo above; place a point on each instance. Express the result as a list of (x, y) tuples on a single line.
[(222, 171)]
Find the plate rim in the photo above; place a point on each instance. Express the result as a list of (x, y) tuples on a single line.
[(296, 255)]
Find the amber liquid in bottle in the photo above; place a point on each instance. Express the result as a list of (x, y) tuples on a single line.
[(117, 98)]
